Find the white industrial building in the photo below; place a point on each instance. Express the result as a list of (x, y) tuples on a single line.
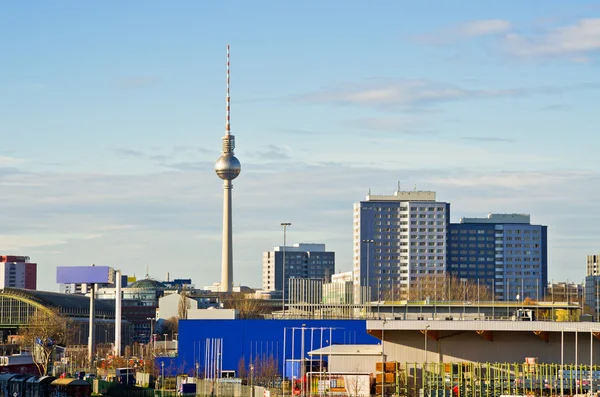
[(349, 358)]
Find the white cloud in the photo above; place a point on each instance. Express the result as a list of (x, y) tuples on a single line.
[(574, 40), (478, 28), (405, 93), (484, 27), (7, 161), (173, 219)]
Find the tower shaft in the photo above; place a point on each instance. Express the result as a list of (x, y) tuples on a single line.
[(227, 251), (228, 167)]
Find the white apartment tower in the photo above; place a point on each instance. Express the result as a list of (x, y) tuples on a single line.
[(397, 239)]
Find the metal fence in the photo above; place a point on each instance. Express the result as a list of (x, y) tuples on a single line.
[(491, 380)]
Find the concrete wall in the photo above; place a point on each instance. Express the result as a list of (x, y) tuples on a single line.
[(349, 363), (513, 347)]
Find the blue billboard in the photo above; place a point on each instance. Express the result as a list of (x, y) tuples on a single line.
[(85, 274)]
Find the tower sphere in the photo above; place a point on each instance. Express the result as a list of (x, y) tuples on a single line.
[(228, 167)]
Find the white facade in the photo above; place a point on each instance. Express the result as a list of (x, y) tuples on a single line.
[(350, 358), (168, 306), (212, 314), (342, 277), (397, 239)]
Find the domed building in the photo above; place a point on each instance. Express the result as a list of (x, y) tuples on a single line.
[(138, 306)]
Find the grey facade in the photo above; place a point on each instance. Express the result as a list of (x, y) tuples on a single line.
[(503, 251), (302, 261)]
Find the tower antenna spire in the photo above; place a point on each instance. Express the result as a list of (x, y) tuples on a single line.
[(227, 100)]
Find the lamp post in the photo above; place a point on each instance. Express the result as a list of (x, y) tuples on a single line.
[(165, 335), (562, 343), (251, 380), (151, 319), (425, 334), (162, 364), (284, 225), (368, 281)]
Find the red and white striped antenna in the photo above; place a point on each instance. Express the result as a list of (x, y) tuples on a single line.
[(227, 100)]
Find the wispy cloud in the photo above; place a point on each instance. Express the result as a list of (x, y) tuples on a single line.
[(405, 94), (451, 34), (487, 139), (574, 40), (129, 153), (273, 153), (155, 218), (557, 107), (395, 125)]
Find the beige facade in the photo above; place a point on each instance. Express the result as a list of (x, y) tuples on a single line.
[(487, 341)]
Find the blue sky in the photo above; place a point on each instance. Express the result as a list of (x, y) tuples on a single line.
[(111, 115)]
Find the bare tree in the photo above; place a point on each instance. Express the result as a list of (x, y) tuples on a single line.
[(184, 305), (42, 334), (354, 386), (448, 288), (246, 307)]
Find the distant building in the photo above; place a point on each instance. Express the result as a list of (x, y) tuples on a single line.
[(302, 261), (342, 277), (84, 288), (397, 239), (169, 305), (565, 292), (340, 290), (503, 251), (592, 265), (17, 272), (592, 294), (138, 305), (179, 284)]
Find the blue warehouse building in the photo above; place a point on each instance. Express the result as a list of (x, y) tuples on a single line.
[(242, 341), (503, 251)]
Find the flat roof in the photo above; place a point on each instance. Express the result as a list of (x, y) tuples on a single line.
[(347, 350), (481, 325)]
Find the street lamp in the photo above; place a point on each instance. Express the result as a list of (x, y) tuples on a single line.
[(251, 379), (162, 364), (165, 335), (368, 242), (425, 333), (151, 319), (284, 225), (562, 343)]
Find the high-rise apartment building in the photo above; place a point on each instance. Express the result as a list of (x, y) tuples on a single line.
[(397, 239), (503, 251), (301, 261), (592, 284), (17, 272)]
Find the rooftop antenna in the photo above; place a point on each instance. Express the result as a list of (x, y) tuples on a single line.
[(415, 187), (227, 100), (398, 187)]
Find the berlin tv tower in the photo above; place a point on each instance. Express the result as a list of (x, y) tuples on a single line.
[(228, 167)]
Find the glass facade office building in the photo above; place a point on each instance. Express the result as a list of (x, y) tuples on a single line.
[(503, 251)]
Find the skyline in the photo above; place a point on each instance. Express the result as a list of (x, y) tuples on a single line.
[(112, 116)]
